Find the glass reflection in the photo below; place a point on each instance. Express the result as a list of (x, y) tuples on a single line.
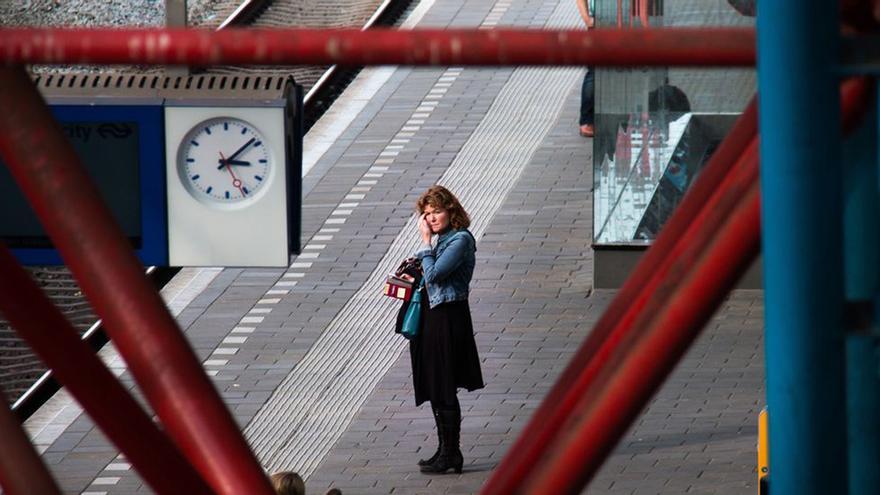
[(656, 128), (646, 153)]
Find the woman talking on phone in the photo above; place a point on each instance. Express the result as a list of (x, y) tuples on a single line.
[(444, 353)]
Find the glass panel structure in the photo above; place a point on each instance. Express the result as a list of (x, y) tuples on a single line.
[(656, 128)]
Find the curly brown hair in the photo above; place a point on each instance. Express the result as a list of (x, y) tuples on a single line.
[(438, 197)]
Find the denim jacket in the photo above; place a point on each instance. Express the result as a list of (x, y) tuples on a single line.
[(448, 267)]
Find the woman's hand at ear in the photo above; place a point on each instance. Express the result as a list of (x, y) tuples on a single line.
[(425, 229)]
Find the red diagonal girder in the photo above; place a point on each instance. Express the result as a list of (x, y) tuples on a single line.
[(93, 246), (22, 472), (39, 323), (647, 332), (611, 327)]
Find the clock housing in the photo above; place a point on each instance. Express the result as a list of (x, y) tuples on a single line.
[(250, 227)]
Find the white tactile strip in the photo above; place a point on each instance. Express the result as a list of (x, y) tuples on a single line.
[(314, 404)]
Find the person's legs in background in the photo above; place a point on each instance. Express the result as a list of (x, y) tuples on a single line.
[(587, 105)]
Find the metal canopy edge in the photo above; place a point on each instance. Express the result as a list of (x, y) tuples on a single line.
[(199, 89)]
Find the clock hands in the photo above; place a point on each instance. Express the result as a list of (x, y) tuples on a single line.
[(243, 163), (235, 181), (233, 156), (243, 147), (247, 167)]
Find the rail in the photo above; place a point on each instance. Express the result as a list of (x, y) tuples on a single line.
[(691, 47), (331, 81), (245, 13), (311, 96)]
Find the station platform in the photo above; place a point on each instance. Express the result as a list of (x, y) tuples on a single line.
[(307, 360)]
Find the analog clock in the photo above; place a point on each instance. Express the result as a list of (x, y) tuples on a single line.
[(224, 161)]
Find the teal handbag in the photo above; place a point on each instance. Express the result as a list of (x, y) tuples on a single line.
[(410, 326)]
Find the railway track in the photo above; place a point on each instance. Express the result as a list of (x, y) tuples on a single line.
[(321, 83), (20, 368), (23, 377)]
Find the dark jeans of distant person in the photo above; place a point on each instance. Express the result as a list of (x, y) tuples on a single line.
[(587, 117)]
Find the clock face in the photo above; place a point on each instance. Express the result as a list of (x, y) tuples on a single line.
[(224, 161)]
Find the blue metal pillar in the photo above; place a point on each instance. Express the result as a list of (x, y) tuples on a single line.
[(862, 250), (801, 183)]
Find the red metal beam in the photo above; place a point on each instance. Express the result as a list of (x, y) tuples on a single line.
[(702, 277), (170, 375), (656, 289), (22, 472), (581, 371), (645, 345), (855, 93), (597, 47), (76, 366)]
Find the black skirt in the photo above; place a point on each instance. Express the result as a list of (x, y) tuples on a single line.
[(444, 353)]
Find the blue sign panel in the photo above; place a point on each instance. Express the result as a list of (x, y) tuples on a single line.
[(122, 148)]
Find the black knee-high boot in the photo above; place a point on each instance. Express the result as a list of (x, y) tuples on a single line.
[(450, 450), (430, 460)]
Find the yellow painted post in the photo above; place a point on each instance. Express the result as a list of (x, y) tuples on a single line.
[(763, 452)]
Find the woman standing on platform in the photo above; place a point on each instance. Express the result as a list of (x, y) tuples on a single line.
[(444, 353)]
